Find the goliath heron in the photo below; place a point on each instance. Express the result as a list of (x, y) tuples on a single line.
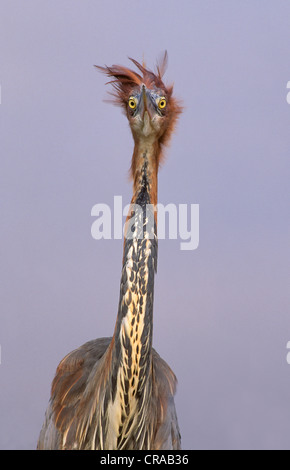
[(117, 393)]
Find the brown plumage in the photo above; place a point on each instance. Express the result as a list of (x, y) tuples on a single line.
[(117, 393)]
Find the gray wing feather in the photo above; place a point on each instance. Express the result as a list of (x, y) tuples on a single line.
[(70, 383), (167, 430)]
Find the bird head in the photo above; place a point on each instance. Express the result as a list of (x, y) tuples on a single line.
[(149, 105)]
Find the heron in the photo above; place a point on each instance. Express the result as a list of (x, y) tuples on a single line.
[(117, 393)]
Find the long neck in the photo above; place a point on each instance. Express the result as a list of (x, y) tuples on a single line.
[(132, 341)]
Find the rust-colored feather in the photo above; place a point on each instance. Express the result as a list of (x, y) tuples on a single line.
[(125, 79), (161, 65)]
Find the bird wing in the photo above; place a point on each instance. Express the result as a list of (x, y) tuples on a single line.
[(164, 386), (68, 388)]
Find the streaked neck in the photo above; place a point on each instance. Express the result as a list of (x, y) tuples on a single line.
[(132, 342)]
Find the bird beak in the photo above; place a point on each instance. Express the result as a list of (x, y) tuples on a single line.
[(146, 104), (144, 98)]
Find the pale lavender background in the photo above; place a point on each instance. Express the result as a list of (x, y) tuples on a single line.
[(221, 312)]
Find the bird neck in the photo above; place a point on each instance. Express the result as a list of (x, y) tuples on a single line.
[(144, 168), (132, 340)]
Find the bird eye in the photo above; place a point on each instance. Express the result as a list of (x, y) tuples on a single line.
[(162, 103), (132, 102)]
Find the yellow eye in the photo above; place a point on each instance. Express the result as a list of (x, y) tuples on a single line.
[(162, 103), (132, 102)]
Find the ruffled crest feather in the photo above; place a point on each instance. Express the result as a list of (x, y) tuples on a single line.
[(125, 79)]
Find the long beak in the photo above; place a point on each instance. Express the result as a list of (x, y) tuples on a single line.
[(144, 98), (146, 104)]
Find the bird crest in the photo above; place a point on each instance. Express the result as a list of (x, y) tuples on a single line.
[(125, 79)]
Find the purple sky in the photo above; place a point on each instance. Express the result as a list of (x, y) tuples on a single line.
[(221, 317)]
